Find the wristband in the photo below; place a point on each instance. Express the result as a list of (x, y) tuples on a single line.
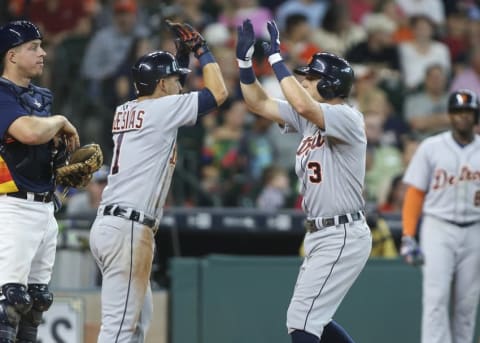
[(247, 76), (281, 70), (276, 57), (244, 64), (206, 58)]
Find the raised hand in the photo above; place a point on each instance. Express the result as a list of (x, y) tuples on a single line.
[(245, 43), (188, 38), (272, 47)]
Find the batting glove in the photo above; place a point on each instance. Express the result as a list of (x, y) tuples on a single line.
[(272, 48), (245, 44), (189, 37), (411, 252)]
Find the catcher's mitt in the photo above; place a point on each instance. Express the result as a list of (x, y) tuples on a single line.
[(188, 38), (83, 162)]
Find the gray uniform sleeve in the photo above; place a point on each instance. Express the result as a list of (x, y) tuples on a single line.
[(343, 122), (293, 121), (419, 169), (181, 110)]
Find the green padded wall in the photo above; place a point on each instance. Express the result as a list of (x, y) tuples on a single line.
[(235, 299)]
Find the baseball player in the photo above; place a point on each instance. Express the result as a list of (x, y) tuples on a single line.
[(144, 135), (330, 164), (28, 230), (443, 180)]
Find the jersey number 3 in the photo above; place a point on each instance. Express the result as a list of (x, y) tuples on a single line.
[(315, 172)]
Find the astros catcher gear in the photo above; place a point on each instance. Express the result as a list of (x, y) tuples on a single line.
[(16, 33), (42, 299), (464, 99), (335, 73), (17, 302), (190, 37), (83, 162), (152, 67)]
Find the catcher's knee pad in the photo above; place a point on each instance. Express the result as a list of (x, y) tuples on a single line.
[(16, 302), (42, 299)]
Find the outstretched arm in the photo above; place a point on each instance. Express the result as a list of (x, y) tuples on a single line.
[(294, 92), (190, 39), (255, 97)]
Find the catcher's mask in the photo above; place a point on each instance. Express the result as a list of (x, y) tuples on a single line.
[(152, 67), (335, 74), (464, 99), (16, 33)]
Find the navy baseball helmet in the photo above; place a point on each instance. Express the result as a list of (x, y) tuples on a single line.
[(335, 73), (152, 67), (16, 33), (464, 99)]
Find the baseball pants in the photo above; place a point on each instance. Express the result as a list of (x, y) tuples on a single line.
[(123, 250), (28, 241), (334, 257), (450, 277)]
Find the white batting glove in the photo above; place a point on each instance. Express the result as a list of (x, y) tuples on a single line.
[(411, 252)]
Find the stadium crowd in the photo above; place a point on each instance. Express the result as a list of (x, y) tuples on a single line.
[(407, 55)]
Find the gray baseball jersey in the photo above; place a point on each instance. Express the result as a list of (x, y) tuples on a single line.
[(330, 165), (144, 134), (449, 235)]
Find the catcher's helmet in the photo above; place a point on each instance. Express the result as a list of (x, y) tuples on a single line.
[(16, 33), (152, 67), (464, 99), (336, 74)]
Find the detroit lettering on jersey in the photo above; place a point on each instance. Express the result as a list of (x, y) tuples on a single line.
[(310, 143), (127, 120), (443, 179)]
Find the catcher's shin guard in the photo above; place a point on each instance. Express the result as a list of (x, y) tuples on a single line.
[(42, 298), (16, 301)]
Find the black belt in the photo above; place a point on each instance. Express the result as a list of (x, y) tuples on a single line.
[(136, 216), (311, 224), (40, 197), (462, 225)]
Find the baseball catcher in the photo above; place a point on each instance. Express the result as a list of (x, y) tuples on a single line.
[(79, 166)]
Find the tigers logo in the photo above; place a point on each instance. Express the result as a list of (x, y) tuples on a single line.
[(310, 143)]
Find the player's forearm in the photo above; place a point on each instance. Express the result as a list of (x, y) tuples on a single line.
[(301, 101), (412, 210), (32, 130), (213, 79), (253, 95)]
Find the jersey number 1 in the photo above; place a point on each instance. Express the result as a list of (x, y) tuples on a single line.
[(116, 149)]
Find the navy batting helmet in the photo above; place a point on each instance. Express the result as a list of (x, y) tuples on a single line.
[(152, 67), (464, 99), (336, 74), (16, 33)]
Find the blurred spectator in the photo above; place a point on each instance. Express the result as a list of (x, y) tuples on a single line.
[(86, 202), (59, 18), (392, 10), (236, 11), (456, 37), (423, 51), (433, 9), (337, 32), (426, 110), (314, 10), (395, 195), (383, 244), (297, 42), (221, 149), (360, 8), (109, 47), (470, 77), (383, 161), (193, 14), (377, 50), (275, 189)]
